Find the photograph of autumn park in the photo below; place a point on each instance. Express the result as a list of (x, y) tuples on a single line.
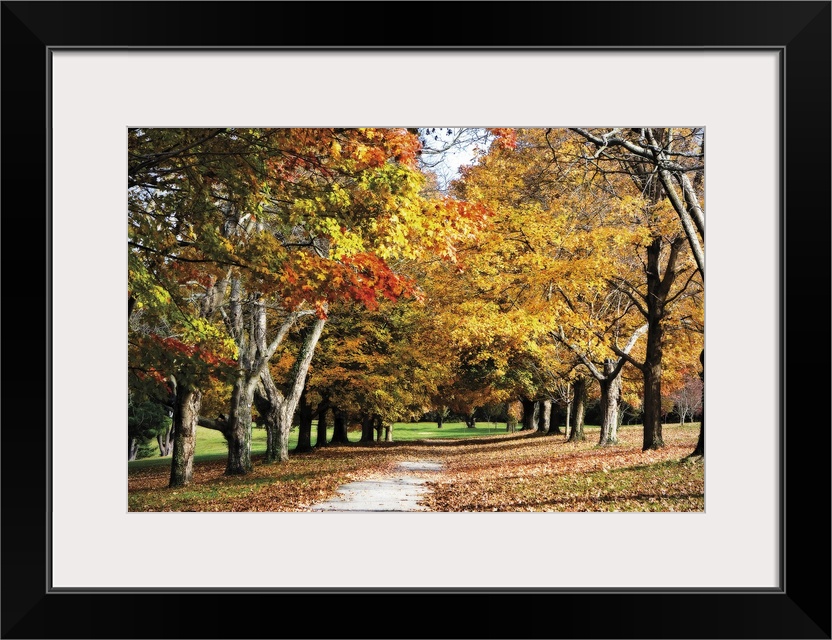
[(432, 319)]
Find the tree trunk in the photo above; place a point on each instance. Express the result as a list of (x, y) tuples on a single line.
[(658, 288), (268, 400), (185, 417), (282, 408), (378, 428), (529, 414), (579, 391), (323, 410), (471, 421), (556, 415), (298, 382), (165, 441), (544, 418), (652, 407), (132, 448), (652, 370), (305, 427), (388, 433), (239, 429), (339, 427), (367, 429), (700, 446), (610, 400), (568, 415), (439, 421)]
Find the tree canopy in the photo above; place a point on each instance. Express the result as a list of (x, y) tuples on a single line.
[(270, 265)]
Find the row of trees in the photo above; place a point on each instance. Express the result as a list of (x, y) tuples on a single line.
[(324, 272)]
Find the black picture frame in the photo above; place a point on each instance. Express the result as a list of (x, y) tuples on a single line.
[(800, 608)]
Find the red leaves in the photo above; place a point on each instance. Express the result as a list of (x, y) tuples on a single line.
[(363, 278), (372, 277), (175, 347), (504, 137)]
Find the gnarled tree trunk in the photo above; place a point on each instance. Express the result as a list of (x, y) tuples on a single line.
[(282, 408), (165, 441), (579, 392), (610, 400), (239, 431), (267, 401), (185, 417)]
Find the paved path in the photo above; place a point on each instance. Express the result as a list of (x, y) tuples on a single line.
[(399, 492)]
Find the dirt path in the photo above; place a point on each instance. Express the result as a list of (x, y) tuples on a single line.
[(399, 492)]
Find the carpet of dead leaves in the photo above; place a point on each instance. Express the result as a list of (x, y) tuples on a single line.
[(545, 473), (513, 472)]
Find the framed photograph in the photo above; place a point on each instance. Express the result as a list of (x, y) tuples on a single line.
[(755, 75)]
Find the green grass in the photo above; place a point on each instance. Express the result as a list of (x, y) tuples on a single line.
[(409, 432), (519, 472), (210, 444)]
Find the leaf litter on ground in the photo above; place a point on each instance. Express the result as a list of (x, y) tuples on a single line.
[(512, 472)]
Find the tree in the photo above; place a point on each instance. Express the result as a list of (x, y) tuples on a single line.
[(676, 156), (687, 400), (609, 378), (145, 421), (173, 350), (300, 218)]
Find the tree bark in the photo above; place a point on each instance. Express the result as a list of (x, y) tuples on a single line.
[(555, 420), (323, 410), (544, 417), (652, 406), (268, 400), (165, 441), (568, 414), (305, 427), (298, 378), (132, 448), (579, 392), (239, 431), (280, 409), (439, 420), (339, 427), (529, 415), (700, 445), (658, 288), (471, 421), (367, 425), (254, 356), (610, 400), (185, 418), (378, 428), (388, 433)]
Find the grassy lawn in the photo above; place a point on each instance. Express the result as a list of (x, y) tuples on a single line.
[(210, 444), (482, 472)]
